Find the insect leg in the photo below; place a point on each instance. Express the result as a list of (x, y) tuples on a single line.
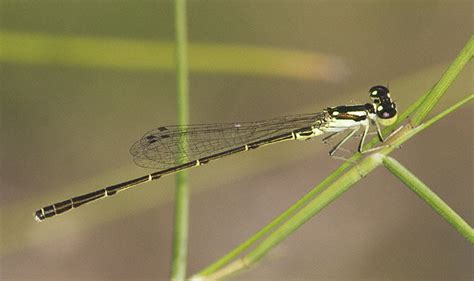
[(362, 140), (383, 146), (326, 139), (337, 146), (379, 131)]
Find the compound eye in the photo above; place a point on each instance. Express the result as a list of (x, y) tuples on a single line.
[(386, 112), (378, 91)]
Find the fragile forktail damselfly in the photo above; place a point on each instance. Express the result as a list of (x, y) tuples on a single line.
[(171, 149)]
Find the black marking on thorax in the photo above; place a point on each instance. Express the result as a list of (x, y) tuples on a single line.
[(350, 108), (343, 111)]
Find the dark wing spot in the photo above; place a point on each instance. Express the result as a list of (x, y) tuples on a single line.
[(165, 136), (151, 139), (161, 129)]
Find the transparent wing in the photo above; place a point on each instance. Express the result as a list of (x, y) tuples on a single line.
[(161, 148)]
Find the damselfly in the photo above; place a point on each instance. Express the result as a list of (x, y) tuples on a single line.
[(174, 148)]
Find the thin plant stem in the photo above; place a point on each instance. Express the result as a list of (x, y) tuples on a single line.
[(180, 230), (425, 193), (448, 76), (432, 98), (447, 111), (333, 191)]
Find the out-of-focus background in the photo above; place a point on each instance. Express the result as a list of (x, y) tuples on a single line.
[(82, 80)]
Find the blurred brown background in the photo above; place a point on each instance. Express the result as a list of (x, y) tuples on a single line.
[(66, 130)]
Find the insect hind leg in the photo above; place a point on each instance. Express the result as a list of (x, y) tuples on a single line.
[(331, 136), (345, 139)]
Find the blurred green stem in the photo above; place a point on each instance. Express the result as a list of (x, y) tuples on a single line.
[(425, 193), (36, 48), (180, 231)]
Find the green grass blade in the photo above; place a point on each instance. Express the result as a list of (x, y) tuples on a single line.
[(313, 192), (425, 193), (433, 96), (312, 205), (447, 111), (302, 201), (336, 189), (423, 103), (180, 231)]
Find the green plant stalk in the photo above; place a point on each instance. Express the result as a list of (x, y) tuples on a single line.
[(446, 111), (324, 198), (424, 192), (302, 201), (432, 98), (180, 230), (338, 187)]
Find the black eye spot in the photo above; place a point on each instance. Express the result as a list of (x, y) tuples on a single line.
[(378, 91)]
